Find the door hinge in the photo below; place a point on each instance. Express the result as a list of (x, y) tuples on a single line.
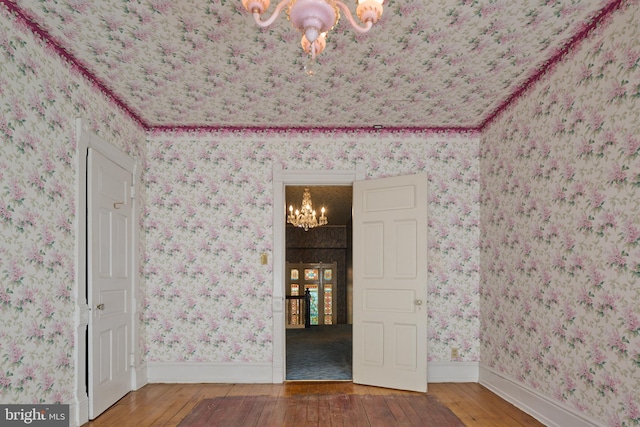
[(132, 360), (133, 192)]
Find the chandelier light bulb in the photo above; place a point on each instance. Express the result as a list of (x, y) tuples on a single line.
[(306, 216)]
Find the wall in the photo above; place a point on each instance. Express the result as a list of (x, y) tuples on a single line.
[(560, 257), (323, 244), (39, 101), (210, 216)]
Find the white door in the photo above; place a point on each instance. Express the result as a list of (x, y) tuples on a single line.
[(390, 282), (109, 281)]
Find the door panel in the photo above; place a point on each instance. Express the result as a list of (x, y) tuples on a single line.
[(390, 282), (109, 281), (373, 343)]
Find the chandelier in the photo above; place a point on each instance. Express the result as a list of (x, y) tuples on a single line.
[(314, 18), (305, 217)]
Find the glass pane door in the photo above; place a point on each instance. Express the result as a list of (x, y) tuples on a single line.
[(319, 279)]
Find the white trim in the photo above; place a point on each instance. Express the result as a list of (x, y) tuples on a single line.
[(281, 178), (452, 372), (73, 407), (203, 372), (85, 139), (549, 412), (141, 377)]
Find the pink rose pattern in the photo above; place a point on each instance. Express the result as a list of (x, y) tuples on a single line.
[(39, 100), (209, 217), (205, 297), (560, 255), (465, 57)]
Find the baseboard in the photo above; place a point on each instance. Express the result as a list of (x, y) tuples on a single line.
[(79, 412), (140, 376), (196, 372), (539, 406), (452, 372), (202, 372)]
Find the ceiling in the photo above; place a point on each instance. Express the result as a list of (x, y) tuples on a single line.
[(427, 64), (337, 201)]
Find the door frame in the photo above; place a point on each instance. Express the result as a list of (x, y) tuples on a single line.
[(282, 178), (85, 139)]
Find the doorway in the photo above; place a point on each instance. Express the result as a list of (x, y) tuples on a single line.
[(87, 311), (282, 179), (317, 262)]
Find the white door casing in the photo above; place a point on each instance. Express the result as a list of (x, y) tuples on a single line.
[(390, 282), (281, 178), (110, 284)]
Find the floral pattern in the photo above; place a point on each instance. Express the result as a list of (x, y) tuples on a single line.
[(533, 233), (39, 100), (209, 217), (560, 251), (445, 63)]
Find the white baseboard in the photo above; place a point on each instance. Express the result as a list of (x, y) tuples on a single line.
[(539, 406), (195, 372), (140, 378), (452, 372), (79, 412), (202, 372)]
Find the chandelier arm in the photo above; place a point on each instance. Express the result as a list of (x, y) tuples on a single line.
[(276, 13), (352, 21)]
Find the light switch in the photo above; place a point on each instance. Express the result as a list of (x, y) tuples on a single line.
[(263, 259)]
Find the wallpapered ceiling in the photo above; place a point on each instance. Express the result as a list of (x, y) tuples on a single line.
[(533, 237), (436, 63), (560, 174)]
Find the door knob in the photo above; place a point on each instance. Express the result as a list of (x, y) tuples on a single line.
[(100, 306), (418, 302)]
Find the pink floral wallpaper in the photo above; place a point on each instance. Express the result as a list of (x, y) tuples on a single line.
[(40, 97), (437, 63), (560, 245), (534, 236), (210, 216)]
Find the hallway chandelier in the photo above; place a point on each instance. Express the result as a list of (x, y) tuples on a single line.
[(314, 18), (305, 217)]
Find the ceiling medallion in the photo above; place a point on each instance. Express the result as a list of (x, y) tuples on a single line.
[(314, 18), (305, 217)]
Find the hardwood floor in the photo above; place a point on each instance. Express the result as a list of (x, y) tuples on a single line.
[(168, 404)]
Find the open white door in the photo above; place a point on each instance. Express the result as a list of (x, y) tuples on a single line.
[(390, 282), (109, 281)]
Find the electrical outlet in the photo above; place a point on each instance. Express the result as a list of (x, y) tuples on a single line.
[(454, 353)]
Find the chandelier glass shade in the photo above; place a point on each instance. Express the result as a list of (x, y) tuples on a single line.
[(305, 217), (314, 18)]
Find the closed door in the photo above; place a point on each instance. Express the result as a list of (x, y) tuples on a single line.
[(390, 282), (109, 281)]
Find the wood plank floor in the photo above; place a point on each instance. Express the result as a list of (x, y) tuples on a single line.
[(168, 404)]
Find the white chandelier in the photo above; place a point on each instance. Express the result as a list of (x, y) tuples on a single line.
[(305, 217), (313, 18)]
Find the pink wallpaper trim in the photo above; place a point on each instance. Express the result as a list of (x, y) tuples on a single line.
[(583, 32), (249, 130), (43, 35)]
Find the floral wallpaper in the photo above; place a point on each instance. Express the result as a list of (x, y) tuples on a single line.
[(436, 63), (40, 97), (533, 228), (560, 245), (210, 216)]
